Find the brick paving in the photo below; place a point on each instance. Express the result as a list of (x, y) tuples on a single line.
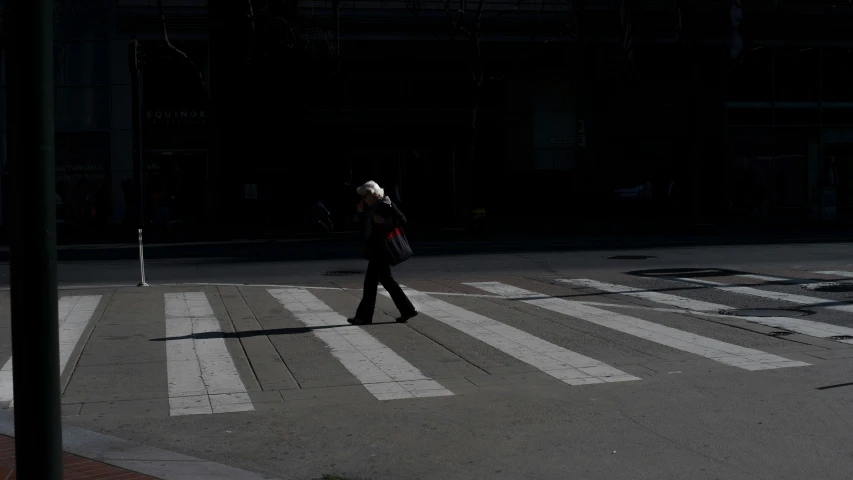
[(76, 468)]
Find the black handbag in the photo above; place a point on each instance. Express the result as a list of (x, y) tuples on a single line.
[(397, 249)]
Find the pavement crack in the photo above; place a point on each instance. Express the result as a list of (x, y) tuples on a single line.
[(237, 333), (277, 352), (682, 445)]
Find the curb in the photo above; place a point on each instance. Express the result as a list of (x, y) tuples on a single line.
[(132, 456)]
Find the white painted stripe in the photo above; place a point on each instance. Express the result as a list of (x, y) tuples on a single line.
[(785, 297), (768, 278), (74, 315), (786, 280), (796, 325), (563, 364), (383, 373), (658, 297), (726, 353), (837, 273), (315, 287), (202, 375), (807, 284)]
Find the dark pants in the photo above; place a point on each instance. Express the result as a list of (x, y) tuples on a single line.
[(379, 271)]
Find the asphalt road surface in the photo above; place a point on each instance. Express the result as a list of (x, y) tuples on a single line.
[(726, 362)]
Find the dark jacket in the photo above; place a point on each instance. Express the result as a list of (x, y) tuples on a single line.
[(375, 233)]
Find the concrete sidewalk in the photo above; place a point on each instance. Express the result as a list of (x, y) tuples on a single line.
[(91, 455), (74, 466)]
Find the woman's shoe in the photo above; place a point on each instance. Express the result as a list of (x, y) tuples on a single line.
[(406, 316), (359, 321)]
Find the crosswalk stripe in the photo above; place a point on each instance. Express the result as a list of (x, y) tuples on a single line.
[(797, 325), (74, 315), (202, 376), (658, 297), (383, 373), (837, 273), (726, 353), (808, 284), (768, 278), (785, 297), (563, 364)]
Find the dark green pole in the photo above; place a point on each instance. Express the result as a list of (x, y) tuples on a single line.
[(35, 330)]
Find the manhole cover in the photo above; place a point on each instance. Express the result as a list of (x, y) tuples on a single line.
[(629, 257), (830, 287), (766, 312), (779, 334), (842, 337), (342, 273)]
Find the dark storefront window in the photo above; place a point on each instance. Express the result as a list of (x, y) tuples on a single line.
[(437, 90), (837, 75), (750, 169), (82, 63), (752, 81), (82, 108), (797, 75), (83, 178), (81, 19), (837, 116), (374, 90), (4, 164), (791, 167), (750, 116)]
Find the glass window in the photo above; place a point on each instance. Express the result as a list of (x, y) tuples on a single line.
[(797, 75), (372, 90), (837, 75), (750, 167), (81, 19), (553, 158), (837, 116), (83, 177), (752, 80), (81, 63), (4, 166), (750, 116), (797, 116), (792, 169), (122, 107), (82, 108)]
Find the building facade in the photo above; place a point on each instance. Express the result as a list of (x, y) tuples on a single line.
[(717, 108)]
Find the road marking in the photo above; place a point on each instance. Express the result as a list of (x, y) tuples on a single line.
[(726, 353), (312, 287), (797, 325), (383, 373), (657, 297), (202, 375), (74, 315), (785, 297), (837, 273), (808, 284), (564, 365), (768, 278)]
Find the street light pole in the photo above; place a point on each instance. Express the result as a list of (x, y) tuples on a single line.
[(35, 330)]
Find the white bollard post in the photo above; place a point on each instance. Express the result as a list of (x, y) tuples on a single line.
[(141, 262)]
